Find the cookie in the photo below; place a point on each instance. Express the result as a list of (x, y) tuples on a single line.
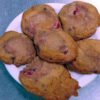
[(16, 48), (48, 80), (88, 59), (55, 46), (79, 19), (39, 17), (99, 20)]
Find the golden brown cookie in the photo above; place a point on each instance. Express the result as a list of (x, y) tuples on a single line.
[(48, 80), (99, 20), (55, 46), (39, 17), (16, 48), (88, 59), (79, 19)]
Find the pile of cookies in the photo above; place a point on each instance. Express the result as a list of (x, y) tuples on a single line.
[(52, 44)]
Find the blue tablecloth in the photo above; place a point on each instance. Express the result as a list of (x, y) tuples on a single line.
[(9, 88)]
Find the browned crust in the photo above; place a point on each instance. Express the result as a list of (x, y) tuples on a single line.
[(88, 59), (36, 10), (59, 83), (9, 58), (89, 30), (57, 57)]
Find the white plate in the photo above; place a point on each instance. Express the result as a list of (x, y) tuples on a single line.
[(14, 71)]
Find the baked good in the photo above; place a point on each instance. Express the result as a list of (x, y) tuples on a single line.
[(39, 17), (99, 19), (16, 48), (48, 80), (79, 19), (55, 46), (88, 59)]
